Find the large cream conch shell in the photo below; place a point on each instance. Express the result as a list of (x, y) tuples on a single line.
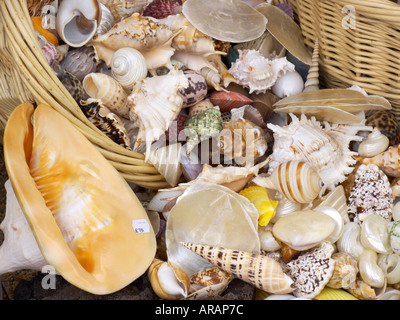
[(87, 221), (261, 271), (77, 21), (128, 66)]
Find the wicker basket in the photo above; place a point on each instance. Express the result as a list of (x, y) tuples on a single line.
[(25, 76), (359, 43)]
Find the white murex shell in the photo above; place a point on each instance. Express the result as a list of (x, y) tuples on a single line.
[(375, 144), (19, 249), (128, 65)]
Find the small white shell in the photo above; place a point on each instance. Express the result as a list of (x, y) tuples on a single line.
[(375, 144), (370, 272), (288, 84), (350, 242), (375, 234), (390, 264), (267, 239), (128, 65)]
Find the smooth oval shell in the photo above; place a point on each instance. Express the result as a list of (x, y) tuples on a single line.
[(196, 90), (302, 230), (128, 66), (225, 20), (228, 100), (288, 84)]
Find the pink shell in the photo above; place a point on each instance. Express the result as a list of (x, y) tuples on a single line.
[(196, 91), (161, 9), (49, 50), (229, 100)]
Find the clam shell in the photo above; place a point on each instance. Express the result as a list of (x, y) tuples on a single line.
[(128, 66), (231, 221), (109, 91), (228, 21), (296, 180), (263, 272), (302, 230), (77, 21), (228, 100)]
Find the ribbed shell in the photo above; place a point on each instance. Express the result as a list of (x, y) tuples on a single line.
[(80, 62), (263, 272), (312, 82), (345, 271)]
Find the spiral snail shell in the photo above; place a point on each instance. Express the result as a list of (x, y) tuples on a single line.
[(128, 66), (375, 143)]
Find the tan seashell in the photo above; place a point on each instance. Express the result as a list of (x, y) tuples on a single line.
[(144, 34), (242, 141), (208, 283), (312, 82), (168, 281), (296, 180), (364, 291), (335, 199), (109, 91), (267, 45), (124, 8), (263, 272), (77, 21), (128, 66), (345, 271), (375, 144), (388, 161), (200, 107)]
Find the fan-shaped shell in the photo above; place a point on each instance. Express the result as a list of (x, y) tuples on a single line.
[(87, 221), (128, 66), (263, 272)]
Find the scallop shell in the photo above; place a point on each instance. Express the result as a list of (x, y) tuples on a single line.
[(388, 161), (168, 281), (334, 294), (375, 144), (231, 221), (296, 181), (261, 271), (161, 9), (345, 271), (228, 21), (257, 73), (151, 38), (80, 62), (167, 161), (105, 88), (203, 126), (263, 203), (325, 147), (124, 8), (128, 66), (312, 81), (77, 21), (228, 100), (154, 103), (106, 121), (371, 194), (242, 141), (298, 233)]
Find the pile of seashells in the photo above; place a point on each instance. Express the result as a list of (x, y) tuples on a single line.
[(274, 180)]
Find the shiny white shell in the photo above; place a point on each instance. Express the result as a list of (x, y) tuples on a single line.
[(375, 144), (288, 84)]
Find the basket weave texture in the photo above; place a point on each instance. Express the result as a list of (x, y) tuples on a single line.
[(359, 43), (26, 76)]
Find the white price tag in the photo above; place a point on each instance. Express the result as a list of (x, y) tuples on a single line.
[(141, 226)]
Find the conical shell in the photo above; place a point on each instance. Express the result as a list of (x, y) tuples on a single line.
[(105, 88), (128, 66), (312, 82), (261, 271), (297, 181)]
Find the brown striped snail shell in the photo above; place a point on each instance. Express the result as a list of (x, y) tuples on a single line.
[(296, 180)]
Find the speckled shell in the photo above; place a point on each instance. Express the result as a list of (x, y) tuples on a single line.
[(394, 236), (70, 82), (80, 62), (345, 271), (325, 147), (196, 91), (242, 141), (263, 272), (109, 123), (203, 126), (109, 91), (385, 121), (388, 161), (228, 100), (297, 181)]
